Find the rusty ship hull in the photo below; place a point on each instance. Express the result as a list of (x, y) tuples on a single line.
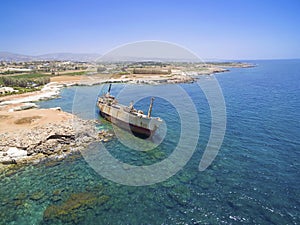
[(127, 118)]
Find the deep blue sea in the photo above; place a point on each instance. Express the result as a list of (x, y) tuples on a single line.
[(255, 178)]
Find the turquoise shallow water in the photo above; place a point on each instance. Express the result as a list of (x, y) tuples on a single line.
[(255, 178)]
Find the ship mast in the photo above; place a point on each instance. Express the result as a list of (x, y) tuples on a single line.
[(150, 107), (109, 89)]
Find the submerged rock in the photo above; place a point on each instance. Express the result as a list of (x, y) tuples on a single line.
[(169, 183), (20, 196), (37, 195), (181, 194), (74, 207)]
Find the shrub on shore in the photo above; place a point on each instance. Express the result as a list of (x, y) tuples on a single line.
[(24, 83)]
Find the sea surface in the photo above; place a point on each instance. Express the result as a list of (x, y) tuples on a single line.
[(255, 178)]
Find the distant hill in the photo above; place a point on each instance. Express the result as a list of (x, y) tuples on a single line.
[(82, 57), (7, 56), (86, 57), (89, 57)]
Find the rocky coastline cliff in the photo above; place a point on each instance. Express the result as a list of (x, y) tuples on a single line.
[(37, 134)]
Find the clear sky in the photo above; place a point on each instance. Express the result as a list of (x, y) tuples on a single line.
[(215, 29)]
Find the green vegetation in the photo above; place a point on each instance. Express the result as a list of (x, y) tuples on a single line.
[(29, 82), (28, 89), (21, 90), (23, 82), (124, 73), (10, 72), (72, 73), (29, 76), (42, 75)]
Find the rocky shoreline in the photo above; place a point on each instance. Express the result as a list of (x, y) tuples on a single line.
[(50, 140)]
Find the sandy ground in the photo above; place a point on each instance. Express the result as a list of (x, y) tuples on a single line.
[(29, 119), (66, 79), (63, 79), (105, 77)]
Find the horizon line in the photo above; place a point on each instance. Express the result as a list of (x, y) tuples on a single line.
[(97, 53)]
